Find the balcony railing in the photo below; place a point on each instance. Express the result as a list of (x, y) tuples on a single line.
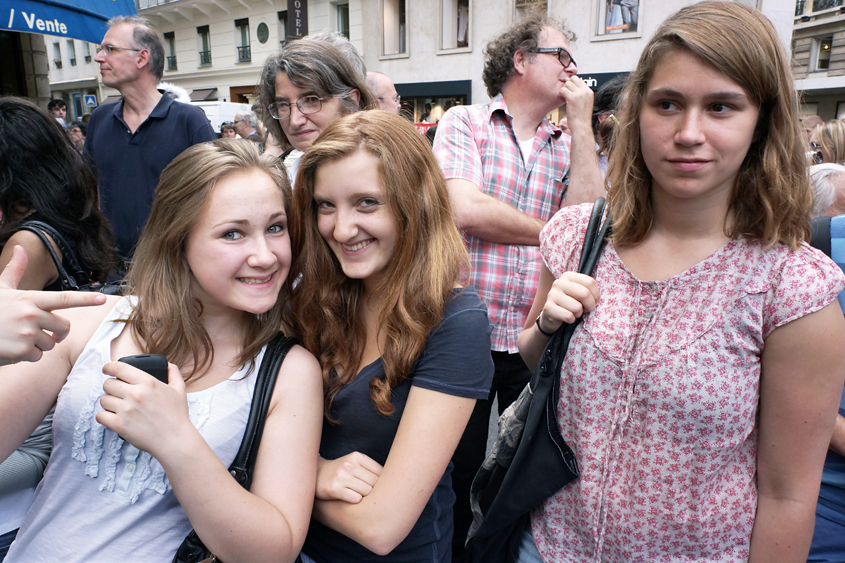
[(171, 62), (58, 64), (87, 58), (244, 54), (72, 62), (205, 58)]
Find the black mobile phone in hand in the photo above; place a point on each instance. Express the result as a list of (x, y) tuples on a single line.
[(153, 364)]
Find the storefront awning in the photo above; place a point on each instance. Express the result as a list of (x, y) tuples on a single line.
[(204, 94), (74, 19)]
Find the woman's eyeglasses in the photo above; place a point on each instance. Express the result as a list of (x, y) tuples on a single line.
[(306, 106)]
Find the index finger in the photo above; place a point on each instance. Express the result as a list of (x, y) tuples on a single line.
[(52, 300), (13, 272), (125, 372)]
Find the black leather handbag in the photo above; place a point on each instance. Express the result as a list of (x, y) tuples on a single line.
[(192, 549), (530, 460)]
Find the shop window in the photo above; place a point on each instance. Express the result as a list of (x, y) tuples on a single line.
[(455, 24), (242, 40), (394, 28), (204, 46)]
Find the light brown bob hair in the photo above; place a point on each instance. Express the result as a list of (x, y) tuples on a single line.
[(167, 318), (771, 199), (419, 281)]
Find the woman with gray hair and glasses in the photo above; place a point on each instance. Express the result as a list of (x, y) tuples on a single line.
[(305, 87)]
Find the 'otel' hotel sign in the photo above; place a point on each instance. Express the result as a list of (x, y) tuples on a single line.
[(297, 19)]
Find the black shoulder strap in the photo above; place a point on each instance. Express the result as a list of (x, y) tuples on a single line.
[(42, 231), (820, 234), (594, 242), (244, 463)]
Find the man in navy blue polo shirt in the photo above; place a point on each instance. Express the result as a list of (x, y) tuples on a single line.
[(132, 140)]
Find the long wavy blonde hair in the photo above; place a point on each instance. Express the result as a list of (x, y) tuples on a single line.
[(167, 318), (772, 199), (421, 275)]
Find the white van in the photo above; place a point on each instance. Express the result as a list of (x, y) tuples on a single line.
[(218, 112)]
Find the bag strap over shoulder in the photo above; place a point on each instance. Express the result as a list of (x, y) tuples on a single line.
[(69, 281), (244, 463), (594, 241)]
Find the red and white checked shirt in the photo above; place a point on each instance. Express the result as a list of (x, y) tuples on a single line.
[(477, 143)]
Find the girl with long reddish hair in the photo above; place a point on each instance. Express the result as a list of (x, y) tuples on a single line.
[(404, 349)]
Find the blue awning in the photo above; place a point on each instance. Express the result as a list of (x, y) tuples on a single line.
[(74, 19)]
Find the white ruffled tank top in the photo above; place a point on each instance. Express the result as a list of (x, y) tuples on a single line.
[(101, 498)]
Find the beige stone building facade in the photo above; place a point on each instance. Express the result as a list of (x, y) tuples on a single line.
[(818, 47), (432, 49)]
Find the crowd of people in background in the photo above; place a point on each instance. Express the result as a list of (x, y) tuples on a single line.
[(422, 279)]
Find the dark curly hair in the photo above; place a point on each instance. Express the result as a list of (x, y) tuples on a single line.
[(524, 36)]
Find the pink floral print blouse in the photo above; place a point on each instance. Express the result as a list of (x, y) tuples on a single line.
[(659, 398)]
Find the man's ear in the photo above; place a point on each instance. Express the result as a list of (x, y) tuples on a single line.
[(143, 58), (520, 60), (355, 94)]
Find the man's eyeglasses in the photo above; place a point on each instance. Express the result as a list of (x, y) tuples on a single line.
[(306, 106), (562, 55), (397, 98), (109, 49)]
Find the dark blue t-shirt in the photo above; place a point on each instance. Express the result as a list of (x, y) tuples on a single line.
[(831, 503), (456, 361), (129, 164)]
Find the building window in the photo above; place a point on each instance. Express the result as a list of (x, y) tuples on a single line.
[(204, 45), (455, 24), (57, 55), (242, 40), (71, 52), (343, 19), (86, 48), (823, 58), (283, 28), (618, 17), (525, 6), (78, 108), (393, 24), (170, 45), (819, 5)]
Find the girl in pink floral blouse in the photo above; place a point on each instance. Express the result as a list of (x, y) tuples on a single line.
[(700, 392)]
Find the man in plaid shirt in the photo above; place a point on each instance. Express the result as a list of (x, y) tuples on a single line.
[(505, 166)]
